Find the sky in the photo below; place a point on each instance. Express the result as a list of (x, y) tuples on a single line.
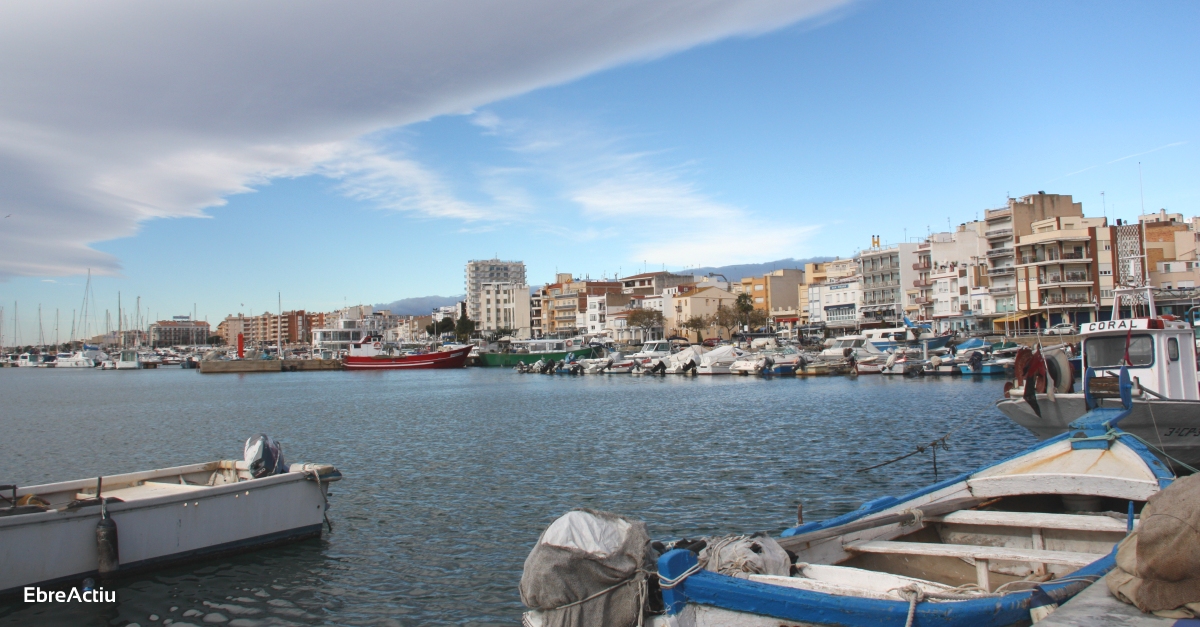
[(228, 157)]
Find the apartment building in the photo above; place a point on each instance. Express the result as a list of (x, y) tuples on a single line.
[(653, 283), (778, 294), (564, 305), (265, 329), (479, 272), (835, 305), (505, 306), (179, 331), (884, 273), (1065, 269), (702, 302)]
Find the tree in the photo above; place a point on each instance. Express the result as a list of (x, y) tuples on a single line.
[(744, 304), (445, 325), (727, 317), (697, 324), (215, 340), (756, 319), (645, 318), (431, 329), (464, 328)]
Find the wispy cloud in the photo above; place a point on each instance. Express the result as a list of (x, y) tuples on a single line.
[(1136, 154)]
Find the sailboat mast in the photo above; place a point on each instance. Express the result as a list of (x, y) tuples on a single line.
[(120, 322)]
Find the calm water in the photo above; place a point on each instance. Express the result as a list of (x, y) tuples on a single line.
[(451, 475)]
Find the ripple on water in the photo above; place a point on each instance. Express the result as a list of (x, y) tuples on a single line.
[(451, 476)]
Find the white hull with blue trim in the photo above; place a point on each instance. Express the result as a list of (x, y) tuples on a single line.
[(998, 546)]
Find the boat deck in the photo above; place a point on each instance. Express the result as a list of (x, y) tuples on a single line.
[(1096, 607)]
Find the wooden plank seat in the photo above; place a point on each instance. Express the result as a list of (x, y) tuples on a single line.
[(981, 554), (1033, 520), (147, 490)]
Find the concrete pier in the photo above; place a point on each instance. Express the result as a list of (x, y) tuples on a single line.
[(268, 365)]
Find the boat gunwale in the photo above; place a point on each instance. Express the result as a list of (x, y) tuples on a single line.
[(200, 493)]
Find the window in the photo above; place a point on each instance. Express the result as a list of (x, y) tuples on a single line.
[(1173, 349), (1109, 352), (758, 288)]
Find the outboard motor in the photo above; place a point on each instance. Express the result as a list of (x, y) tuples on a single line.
[(976, 361), (264, 456)]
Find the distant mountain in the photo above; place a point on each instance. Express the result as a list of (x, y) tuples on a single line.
[(738, 271), (419, 306)]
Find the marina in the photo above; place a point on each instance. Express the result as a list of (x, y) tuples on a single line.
[(471, 447)]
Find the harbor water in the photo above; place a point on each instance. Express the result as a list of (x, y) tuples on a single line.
[(451, 475)]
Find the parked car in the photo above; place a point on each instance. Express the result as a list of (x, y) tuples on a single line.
[(1064, 328), (713, 341)]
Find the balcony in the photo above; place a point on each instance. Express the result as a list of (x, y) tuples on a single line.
[(922, 283), (1070, 301), (995, 233), (1000, 252), (1008, 289), (921, 300), (1070, 277), (921, 265), (997, 214), (1001, 271)]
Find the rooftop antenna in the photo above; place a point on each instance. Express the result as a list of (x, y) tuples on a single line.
[(1104, 203)]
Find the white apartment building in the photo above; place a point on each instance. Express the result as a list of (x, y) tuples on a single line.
[(505, 305), (836, 304), (489, 271)]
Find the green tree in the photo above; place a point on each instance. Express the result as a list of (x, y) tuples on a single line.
[(727, 317), (697, 324), (445, 325), (645, 319), (464, 328), (215, 340), (756, 319)]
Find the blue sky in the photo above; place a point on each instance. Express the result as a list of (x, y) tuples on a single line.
[(869, 118)]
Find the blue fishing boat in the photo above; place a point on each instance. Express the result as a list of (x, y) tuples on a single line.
[(999, 546)]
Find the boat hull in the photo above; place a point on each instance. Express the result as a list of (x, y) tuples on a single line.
[(456, 358), (190, 522), (511, 359), (1173, 425)]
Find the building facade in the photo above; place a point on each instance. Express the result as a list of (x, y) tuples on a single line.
[(505, 307), (179, 331), (489, 271)]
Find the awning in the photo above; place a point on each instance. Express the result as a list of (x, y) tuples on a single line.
[(1010, 318), (787, 320)]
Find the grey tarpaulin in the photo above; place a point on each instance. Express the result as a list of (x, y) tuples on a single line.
[(741, 556), (585, 553)]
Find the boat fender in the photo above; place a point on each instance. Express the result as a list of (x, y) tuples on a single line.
[(891, 361), (108, 553)]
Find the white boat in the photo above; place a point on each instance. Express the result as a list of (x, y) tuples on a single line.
[(999, 546), (718, 360), (909, 335), (1166, 396), (161, 516), (857, 346), (128, 359), (27, 360), (779, 361), (74, 360)]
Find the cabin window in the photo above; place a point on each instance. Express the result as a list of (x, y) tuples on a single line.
[(1173, 349), (1109, 352)]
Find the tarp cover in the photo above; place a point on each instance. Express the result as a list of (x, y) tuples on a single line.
[(584, 553), (741, 556)]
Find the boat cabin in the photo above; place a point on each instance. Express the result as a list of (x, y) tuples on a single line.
[(1159, 352)]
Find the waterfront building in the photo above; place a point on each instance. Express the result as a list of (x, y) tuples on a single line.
[(777, 293), (489, 271), (653, 283), (1003, 228), (505, 307), (834, 305), (1065, 269), (351, 324), (955, 283), (702, 302), (883, 272), (453, 312), (179, 331), (564, 305)]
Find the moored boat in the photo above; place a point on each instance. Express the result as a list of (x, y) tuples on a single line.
[(1158, 352), (371, 353), (51, 534), (531, 351), (998, 546)]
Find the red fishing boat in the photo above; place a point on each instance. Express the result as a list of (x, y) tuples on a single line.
[(373, 354)]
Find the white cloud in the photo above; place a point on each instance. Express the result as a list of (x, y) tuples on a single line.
[(122, 111)]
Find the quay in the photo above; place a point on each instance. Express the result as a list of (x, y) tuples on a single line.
[(267, 365)]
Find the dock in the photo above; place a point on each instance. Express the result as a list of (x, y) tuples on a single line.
[(242, 366), (1096, 607)]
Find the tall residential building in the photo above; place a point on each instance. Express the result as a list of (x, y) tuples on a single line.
[(489, 271), (1006, 224), (1065, 269), (778, 294), (885, 274), (563, 304), (506, 306)]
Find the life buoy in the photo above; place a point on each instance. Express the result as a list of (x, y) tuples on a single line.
[(378, 345)]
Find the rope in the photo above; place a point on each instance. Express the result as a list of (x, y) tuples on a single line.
[(933, 445), (667, 584), (598, 594), (324, 497)]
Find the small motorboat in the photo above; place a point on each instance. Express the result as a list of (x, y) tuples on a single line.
[(718, 360), (57, 533), (372, 353), (999, 546)]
